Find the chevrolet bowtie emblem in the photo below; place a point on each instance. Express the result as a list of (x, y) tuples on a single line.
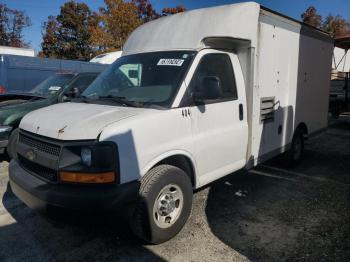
[(31, 155)]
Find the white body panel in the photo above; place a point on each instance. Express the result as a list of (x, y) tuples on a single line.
[(271, 57), (7, 50), (187, 30), (294, 68), (219, 137), (107, 58)]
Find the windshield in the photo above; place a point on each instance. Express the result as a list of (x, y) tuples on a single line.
[(52, 85), (81, 82), (145, 79)]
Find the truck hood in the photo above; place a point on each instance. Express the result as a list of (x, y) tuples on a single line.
[(74, 121)]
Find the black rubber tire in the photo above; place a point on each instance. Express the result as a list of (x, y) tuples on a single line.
[(11, 146), (292, 159), (141, 220), (335, 114)]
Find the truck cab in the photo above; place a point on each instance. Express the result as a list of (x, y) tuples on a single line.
[(146, 111)]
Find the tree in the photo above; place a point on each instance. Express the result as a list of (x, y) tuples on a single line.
[(173, 10), (67, 35), (145, 10), (311, 17), (12, 23), (50, 46), (116, 22), (336, 25), (148, 13)]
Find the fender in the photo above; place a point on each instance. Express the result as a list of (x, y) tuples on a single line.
[(165, 155)]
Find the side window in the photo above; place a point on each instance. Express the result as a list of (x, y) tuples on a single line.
[(133, 72), (219, 66), (83, 82)]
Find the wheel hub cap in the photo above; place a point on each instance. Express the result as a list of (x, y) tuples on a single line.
[(168, 206)]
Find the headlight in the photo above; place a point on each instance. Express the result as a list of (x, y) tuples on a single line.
[(5, 129), (89, 163), (86, 156)]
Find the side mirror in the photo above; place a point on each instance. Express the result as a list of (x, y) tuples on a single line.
[(133, 73), (73, 93), (197, 98), (210, 90)]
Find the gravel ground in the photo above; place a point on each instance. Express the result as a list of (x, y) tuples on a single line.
[(269, 214)]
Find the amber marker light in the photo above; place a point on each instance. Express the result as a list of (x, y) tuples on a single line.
[(87, 178)]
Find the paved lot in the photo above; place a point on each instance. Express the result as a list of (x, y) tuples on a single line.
[(270, 214)]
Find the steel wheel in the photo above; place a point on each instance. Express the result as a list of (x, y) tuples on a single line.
[(168, 206), (163, 205)]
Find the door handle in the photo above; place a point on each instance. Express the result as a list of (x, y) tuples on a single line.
[(240, 112)]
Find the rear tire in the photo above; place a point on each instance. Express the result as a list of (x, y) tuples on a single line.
[(12, 144), (335, 114), (296, 151), (163, 206)]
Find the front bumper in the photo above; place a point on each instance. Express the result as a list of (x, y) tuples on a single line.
[(38, 194)]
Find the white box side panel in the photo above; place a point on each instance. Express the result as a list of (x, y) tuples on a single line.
[(312, 98), (277, 76)]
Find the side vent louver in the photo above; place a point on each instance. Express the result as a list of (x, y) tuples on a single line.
[(267, 111)]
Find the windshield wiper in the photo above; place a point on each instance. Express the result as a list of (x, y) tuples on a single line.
[(121, 100)]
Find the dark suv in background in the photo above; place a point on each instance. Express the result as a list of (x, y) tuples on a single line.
[(55, 89)]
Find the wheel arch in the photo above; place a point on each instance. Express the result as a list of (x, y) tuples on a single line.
[(180, 159)]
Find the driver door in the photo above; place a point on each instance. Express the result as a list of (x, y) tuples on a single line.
[(220, 128)]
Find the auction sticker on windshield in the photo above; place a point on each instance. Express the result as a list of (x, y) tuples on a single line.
[(170, 62), (54, 88)]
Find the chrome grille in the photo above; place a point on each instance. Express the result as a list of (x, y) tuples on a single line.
[(42, 146)]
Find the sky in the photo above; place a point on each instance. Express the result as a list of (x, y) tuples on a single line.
[(39, 10)]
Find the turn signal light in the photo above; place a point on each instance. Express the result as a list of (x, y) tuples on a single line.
[(87, 178)]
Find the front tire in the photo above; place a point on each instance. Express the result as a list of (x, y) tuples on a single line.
[(164, 204)]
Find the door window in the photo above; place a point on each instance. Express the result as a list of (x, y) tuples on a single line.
[(219, 66)]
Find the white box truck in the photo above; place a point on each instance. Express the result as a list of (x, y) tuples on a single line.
[(218, 90)]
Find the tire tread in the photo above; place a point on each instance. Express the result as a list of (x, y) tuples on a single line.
[(147, 182)]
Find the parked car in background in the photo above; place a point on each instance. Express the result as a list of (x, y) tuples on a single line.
[(21, 73), (107, 58), (55, 89)]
